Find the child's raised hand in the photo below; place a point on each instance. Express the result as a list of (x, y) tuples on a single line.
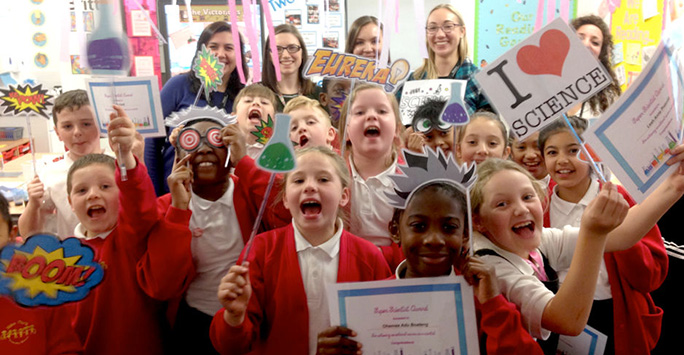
[(234, 139), (334, 340), (35, 191), (174, 135), (121, 132), (415, 142), (179, 182), (482, 277), (677, 178), (605, 212), (234, 292)]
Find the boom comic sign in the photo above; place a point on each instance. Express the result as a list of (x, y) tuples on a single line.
[(25, 99), (541, 78), (48, 272), (325, 62)]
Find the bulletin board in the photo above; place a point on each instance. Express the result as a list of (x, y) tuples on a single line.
[(322, 23), (636, 27), (501, 24), (182, 34)]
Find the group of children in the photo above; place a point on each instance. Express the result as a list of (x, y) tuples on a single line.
[(178, 277)]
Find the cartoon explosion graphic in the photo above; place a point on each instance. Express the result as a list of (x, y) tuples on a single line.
[(208, 69), (264, 130), (25, 99)]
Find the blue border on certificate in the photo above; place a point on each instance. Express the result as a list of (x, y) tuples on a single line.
[(594, 341), (663, 52), (153, 109), (453, 287)]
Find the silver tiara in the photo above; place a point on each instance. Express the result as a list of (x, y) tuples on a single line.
[(193, 113), (427, 168)]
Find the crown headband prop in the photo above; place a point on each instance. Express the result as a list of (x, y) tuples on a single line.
[(424, 169), (194, 113)]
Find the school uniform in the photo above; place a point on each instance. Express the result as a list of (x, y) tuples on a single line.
[(202, 243), (627, 277), (499, 324), (518, 280), (117, 317), (277, 319), (370, 213), (41, 330)]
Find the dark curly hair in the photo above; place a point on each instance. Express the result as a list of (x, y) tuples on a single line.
[(610, 94)]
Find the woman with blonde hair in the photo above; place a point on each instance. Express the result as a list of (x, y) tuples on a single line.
[(448, 54)]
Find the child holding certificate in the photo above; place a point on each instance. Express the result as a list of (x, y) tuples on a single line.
[(274, 302), (430, 223)]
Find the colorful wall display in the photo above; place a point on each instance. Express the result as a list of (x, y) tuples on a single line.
[(636, 27), (322, 23), (501, 24)]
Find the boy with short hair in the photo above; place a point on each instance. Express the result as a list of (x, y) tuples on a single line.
[(254, 104), (44, 330), (48, 209), (309, 124), (75, 125), (115, 218), (334, 92)]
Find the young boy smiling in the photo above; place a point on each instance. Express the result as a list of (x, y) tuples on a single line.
[(115, 217)]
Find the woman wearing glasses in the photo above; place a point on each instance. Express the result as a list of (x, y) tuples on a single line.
[(448, 54), (292, 57), (181, 91)]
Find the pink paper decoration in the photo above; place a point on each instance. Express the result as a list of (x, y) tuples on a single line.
[(236, 39), (253, 40), (271, 37)]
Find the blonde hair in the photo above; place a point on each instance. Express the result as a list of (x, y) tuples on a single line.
[(489, 168), (307, 103), (350, 101), (335, 160), (489, 116), (428, 66), (255, 90)]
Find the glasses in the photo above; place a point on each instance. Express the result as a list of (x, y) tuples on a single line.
[(292, 48), (446, 27), (190, 139)]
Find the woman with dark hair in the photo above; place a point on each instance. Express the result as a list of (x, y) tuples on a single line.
[(292, 56), (180, 92), (365, 37), (595, 35)]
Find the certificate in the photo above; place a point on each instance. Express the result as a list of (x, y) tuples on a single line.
[(409, 316), (635, 135), (139, 97)]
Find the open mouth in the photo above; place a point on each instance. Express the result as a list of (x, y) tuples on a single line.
[(96, 211), (524, 229), (372, 132), (564, 172), (310, 208), (303, 140), (254, 115)]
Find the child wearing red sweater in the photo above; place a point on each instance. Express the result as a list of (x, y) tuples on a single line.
[(430, 223), (208, 217), (43, 330), (275, 301), (115, 216)]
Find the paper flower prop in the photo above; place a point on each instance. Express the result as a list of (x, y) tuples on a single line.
[(46, 271), (208, 69), (264, 130), (26, 99), (193, 113), (423, 169)]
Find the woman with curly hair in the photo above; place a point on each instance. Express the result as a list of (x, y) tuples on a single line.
[(595, 35)]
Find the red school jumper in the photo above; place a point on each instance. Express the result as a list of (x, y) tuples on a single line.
[(277, 319), (117, 317), (169, 242), (633, 274), (41, 330)]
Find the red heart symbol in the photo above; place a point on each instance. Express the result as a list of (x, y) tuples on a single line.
[(548, 58)]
